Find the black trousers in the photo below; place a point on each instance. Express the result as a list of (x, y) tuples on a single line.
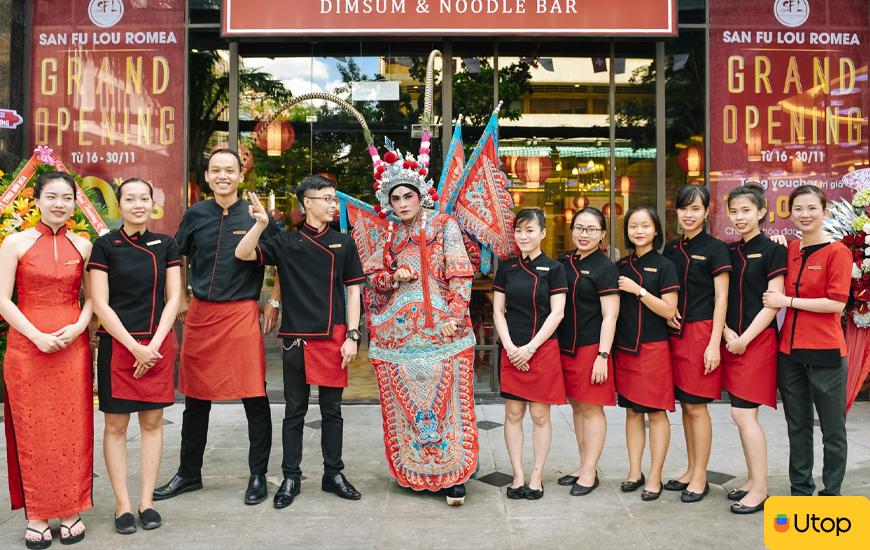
[(802, 386), (296, 394), (194, 433)]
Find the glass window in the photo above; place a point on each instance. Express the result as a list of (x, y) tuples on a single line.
[(692, 11), (12, 79)]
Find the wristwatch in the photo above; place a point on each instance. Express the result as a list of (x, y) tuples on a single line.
[(604, 354), (354, 334), (274, 303), (532, 349), (642, 292)]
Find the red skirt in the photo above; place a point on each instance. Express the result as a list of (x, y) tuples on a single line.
[(646, 378), (577, 372), (752, 376), (542, 383), (222, 354), (323, 360), (156, 386), (687, 361)]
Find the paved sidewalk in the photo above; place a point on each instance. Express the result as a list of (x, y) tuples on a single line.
[(391, 517)]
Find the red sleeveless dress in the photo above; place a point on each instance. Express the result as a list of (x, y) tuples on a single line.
[(49, 405)]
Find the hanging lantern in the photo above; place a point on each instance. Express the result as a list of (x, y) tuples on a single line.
[(569, 214), (692, 161), (518, 198), (617, 209), (580, 202), (275, 138), (533, 170), (508, 164), (627, 184), (753, 146)]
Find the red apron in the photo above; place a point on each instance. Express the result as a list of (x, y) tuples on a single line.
[(646, 378), (222, 354), (542, 383), (156, 386), (323, 360), (687, 360), (577, 372), (752, 376)]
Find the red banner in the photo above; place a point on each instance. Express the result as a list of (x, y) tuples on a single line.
[(789, 99), (450, 17), (107, 95)]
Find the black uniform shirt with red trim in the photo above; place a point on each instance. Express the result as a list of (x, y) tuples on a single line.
[(313, 267), (637, 324), (698, 261), (527, 286), (209, 238), (136, 265), (817, 271), (755, 263), (589, 279)]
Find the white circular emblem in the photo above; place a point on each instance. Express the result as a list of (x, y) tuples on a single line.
[(791, 13), (105, 13)]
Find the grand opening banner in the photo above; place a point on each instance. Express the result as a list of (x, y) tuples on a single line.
[(107, 95), (449, 17), (789, 99)]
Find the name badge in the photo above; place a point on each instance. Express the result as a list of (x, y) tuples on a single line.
[(756, 255), (239, 232), (814, 267), (71, 262), (584, 271), (335, 245), (697, 257), (651, 269), (542, 268), (152, 243)]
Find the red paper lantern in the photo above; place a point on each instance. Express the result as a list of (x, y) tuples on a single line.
[(626, 184), (276, 138), (508, 164), (617, 209), (518, 198), (692, 161), (581, 202), (569, 214), (534, 170)]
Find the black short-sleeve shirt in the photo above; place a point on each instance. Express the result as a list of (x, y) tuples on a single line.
[(698, 260), (313, 267), (589, 279), (755, 263), (637, 323), (136, 265), (209, 238), (527, 286)]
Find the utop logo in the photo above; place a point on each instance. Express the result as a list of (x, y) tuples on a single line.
[(780, 523), (105, 13), (791, 13)]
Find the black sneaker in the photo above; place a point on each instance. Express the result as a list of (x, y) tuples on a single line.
[(125, 524), (150, 519)]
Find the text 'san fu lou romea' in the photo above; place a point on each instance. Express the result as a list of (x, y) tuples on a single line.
[(447, 7)]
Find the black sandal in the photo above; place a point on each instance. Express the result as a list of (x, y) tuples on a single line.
[(676, 485), (737, 494), (740, 508), (40, 544), (517, 493), (70, 538), (650, 495), (631, 486)]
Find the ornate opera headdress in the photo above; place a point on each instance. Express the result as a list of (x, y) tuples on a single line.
[(395, 170)]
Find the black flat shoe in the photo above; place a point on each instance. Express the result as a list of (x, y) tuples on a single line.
[(534, 494), (40, 544), (631, 486), (150, 519), (256, 491), (176, 486), (649, 495), (288, 490), (738, 508), (736, 494), (455, 495), (689, 496), (339, 485), (580, 490), (70, 538), (125, 524), (675, 485), (567, 481), (517, 493)]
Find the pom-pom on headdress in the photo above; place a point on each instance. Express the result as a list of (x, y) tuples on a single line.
[(395, 170)]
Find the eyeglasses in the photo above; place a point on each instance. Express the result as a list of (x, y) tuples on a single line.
[(328, 199), (587, 230)]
